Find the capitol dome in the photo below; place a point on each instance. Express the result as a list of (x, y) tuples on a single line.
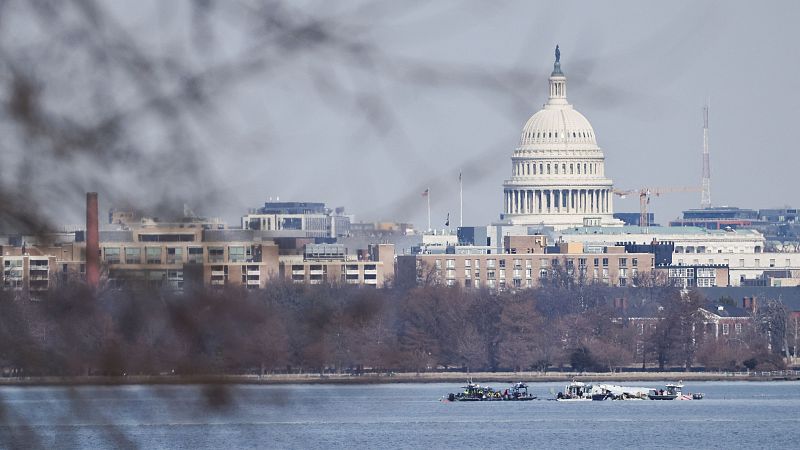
[(557, 126), (558, 170)]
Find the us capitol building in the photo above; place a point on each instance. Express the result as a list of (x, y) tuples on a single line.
[(558, 171)]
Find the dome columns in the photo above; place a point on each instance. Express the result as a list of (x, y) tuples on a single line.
[(558, 201)]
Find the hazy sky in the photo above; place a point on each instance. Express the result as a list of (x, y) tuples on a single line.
[(639, 71), (372, 138)]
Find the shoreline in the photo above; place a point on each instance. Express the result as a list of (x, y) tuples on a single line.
[(398, 378)]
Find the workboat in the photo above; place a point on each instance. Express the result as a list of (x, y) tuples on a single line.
[(576, 391), (519, 392), (474, 392), (672, 391)]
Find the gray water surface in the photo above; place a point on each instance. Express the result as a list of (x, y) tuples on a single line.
[(733, 414)]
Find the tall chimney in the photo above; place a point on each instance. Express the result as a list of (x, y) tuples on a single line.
[(92, 241)]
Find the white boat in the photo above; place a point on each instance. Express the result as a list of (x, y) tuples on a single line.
[(576, 391), (672, 391)]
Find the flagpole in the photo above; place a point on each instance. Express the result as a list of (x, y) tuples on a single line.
[(461, 201), (429, 208)]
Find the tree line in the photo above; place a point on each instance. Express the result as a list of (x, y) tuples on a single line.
[(295, 328)]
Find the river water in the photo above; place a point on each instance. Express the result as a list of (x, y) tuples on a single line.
[(733, 414)]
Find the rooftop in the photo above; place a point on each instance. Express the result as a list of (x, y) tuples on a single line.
[(655, 230)]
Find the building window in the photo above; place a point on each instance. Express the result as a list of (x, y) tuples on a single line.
[(738, 328), (112, 255), (174, 255), (133, 255), (725, 328), (605, 262), (153, 255), (196, 255), (236, 254), (623, 262), (216, 254), (502, 263)]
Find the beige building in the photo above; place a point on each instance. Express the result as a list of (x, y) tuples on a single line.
[(526, 263), (38, 264), (329, 263), (165, 257), (173, 256)]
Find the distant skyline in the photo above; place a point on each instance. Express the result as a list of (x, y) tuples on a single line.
[(451, 89)]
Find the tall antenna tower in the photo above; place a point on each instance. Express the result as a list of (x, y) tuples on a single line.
[(705, 198)]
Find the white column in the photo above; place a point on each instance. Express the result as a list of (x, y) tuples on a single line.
[(570, 197), (596, 201), (515, 201), (588, 201), (603, 201), (611, 202), (528, 201), (559, 199), (525, 206)]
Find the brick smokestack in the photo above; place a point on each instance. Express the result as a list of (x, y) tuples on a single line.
[(92, 241)]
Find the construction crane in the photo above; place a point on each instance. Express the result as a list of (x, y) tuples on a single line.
[(644, 198)]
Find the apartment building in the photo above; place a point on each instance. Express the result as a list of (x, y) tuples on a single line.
[(164, 257), (330, 263), (526, 263)]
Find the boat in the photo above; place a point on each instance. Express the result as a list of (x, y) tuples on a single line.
[(673, 391), (474, 392), (576, 391), (519, 392)]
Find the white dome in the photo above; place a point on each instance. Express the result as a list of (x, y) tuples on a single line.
[(562, 125), (558, 171)]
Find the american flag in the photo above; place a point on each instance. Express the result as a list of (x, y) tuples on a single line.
[(426, 192)]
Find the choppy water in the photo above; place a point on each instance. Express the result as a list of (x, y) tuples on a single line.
[(734, 414)]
